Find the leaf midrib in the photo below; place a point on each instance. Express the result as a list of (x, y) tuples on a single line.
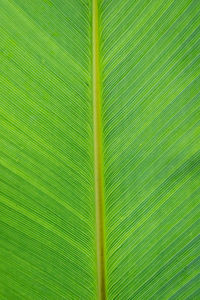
[(98, 153)]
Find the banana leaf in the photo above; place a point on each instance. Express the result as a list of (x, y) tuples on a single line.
[(99, 149)]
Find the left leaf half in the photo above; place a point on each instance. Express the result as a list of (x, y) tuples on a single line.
[(47, 221)]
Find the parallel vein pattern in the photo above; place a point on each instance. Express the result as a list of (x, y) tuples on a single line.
[(150, 84), (47, 225), (151, 97)]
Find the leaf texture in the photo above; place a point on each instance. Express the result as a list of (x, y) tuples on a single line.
[(150, 102), (47, 196), (150, 93)]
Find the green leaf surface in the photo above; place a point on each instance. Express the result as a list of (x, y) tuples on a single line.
[(150, 98)]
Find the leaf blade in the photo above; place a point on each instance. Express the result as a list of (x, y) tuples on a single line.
[(47, 194), (150, 80)]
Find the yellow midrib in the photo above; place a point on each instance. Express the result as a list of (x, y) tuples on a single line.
[(99, 192)]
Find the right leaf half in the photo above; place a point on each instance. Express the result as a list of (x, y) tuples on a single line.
[(150, 92)]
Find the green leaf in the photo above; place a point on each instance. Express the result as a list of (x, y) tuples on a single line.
[(99, 149), (150, 78)]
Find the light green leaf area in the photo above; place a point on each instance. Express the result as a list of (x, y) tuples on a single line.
[(47, 191), (150, 99)]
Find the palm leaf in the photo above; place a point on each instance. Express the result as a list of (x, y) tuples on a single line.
[(99, 164)]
